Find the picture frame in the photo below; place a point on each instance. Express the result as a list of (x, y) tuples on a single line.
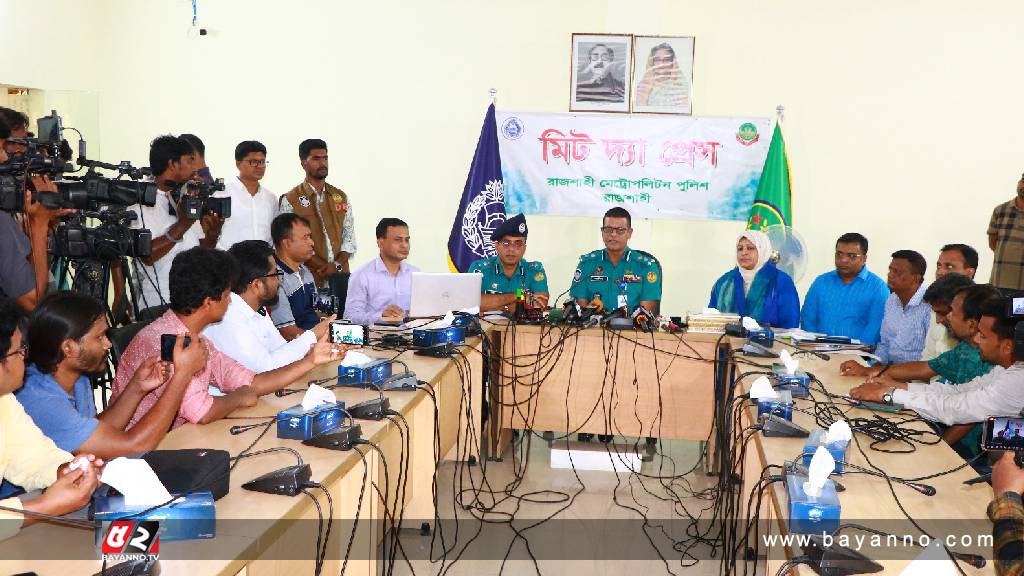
[(662, 75), (600, 72)]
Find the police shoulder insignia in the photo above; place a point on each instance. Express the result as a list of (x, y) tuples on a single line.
[(538, 277), (304, 201), (652, 277)]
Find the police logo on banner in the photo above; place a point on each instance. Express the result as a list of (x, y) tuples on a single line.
[(512, 129), (485, 212)]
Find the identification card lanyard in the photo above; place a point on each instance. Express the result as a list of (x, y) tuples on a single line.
[(623, 300)]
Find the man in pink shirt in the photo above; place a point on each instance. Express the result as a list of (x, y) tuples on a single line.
[(199, 285)]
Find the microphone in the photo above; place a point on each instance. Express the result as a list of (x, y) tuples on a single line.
[(972, 559), (642, 319), (236, 430), (925, 489)]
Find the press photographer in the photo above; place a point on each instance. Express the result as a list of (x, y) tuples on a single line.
[(23, 254), (171, 221), (1007, 514)]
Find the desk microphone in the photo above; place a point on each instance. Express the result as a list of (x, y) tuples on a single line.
[(642, 319), (925, 489), (235, 430)]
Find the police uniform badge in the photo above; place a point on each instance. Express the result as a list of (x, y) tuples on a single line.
[(538, 276), (576, 277), (652, 277), (304, 201)]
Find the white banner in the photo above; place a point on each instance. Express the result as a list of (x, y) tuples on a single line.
[(654, 166)]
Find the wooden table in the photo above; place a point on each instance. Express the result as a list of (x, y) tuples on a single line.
[(629, 383), (257, 534), (869, 497)]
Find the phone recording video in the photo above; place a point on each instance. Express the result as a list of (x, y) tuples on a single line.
[(342, 332), (1003, 433), (167, 346)]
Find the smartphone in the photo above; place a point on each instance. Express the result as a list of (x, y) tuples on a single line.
[(893, 408), (1002, 433), (167, 346), (342, 332)]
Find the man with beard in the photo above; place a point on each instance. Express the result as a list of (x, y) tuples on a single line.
[(328, 210), (247, 333), (67, 341)]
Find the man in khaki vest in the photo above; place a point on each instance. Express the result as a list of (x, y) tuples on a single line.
[(328, 210)]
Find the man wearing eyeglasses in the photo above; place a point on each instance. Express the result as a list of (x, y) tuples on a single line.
[(617, 277), (509, 272), (253, 207), (850, 300), (246, 333)]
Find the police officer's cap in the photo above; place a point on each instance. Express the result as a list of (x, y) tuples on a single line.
[(514, 226)]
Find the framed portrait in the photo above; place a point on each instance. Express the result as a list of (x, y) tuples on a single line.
[(600, 72), (663, 74)]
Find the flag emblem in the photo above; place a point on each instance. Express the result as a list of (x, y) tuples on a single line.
[(747, 134)]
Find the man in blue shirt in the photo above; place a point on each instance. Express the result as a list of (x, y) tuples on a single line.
[(617, 276), (850, 300), (907, 315), (508, 272), (67, 340)]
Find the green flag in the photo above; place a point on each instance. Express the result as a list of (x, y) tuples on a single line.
[(773, 201)]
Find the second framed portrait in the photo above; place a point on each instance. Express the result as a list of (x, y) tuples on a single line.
[(663, 74), (600, 72)]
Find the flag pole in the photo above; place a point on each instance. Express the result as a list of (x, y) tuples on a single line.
[(494, 95), (780, 113)]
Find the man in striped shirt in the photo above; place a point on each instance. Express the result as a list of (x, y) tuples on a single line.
[(850, 300), (1006, 239)]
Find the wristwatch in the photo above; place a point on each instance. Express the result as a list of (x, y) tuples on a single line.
[(887, 396)]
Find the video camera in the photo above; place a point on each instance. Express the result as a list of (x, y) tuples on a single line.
[(109, 241), (200, 200)]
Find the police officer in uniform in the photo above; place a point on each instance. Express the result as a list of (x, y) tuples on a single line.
[(508, 272), (617, 277)]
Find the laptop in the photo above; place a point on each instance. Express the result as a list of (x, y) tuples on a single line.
[(437, 294)]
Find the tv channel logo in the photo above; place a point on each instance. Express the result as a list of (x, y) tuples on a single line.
[(131, 540)]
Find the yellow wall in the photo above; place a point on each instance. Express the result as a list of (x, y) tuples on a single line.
[(900, 116)]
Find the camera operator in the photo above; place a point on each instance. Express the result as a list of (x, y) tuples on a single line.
[(1007, 514), (171, 159), (23, 255), (17, 122), (202, 170)]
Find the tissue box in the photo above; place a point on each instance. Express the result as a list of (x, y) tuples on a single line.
[(781, 406), (811, 514), (836, 449), (797, 383), (372, 373), (424, 338), (296, 424), (764, 337), (193, 518)]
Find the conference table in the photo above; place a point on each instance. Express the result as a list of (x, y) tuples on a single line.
[(556, 379), (262, 534), (956, 509)]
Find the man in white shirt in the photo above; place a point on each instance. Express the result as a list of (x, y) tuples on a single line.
[(171, 159), (998, 393), (253, 207), (382, 288), (247, 333)]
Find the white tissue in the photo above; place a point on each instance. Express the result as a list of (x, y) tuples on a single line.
[(791, 365), (317, 396), (934, 561), (356, 358), (762, 388), (445, 322), (750, 324), (80, 462), (839, 431), (135, 479), (822, 464), (711, 311)]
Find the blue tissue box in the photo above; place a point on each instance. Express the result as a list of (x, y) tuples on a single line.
[(424, 338), (764, 337), (781, 406), (797, 383), (372, 373), (297, 424), (836, 449), (811, 514), (193, 518)]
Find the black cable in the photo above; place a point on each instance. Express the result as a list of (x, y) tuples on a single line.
[(319, 528)]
